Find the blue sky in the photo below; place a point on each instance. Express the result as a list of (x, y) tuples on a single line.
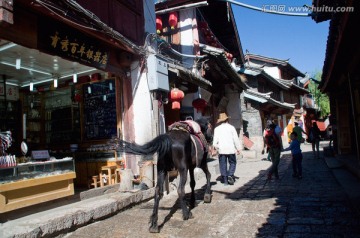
[(299, 39)]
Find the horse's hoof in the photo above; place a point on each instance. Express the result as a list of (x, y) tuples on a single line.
[(207, 198), (154, 229), (188, 216)]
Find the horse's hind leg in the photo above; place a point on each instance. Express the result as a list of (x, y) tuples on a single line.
[(181, 192), (159, 192), (207, 196), (192, 185)]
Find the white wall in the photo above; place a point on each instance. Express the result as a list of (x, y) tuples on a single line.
[(186, 35), (233, 108), (142, 99), (142, 107), (272, 71)]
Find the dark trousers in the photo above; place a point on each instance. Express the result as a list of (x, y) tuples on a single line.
[(275, 160), (296, 164), (315, 147), (223, 160)]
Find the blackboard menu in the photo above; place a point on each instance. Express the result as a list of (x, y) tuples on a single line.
[(100, 110)]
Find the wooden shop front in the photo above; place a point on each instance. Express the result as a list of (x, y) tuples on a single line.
[(74, 119)]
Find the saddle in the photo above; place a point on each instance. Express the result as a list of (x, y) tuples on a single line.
[(193, 128)]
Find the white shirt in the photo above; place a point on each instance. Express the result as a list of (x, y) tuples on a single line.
[(226, 140)]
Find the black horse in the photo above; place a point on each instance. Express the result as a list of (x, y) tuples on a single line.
[(181, 149)]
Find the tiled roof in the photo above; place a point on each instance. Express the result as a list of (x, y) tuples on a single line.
[(254, 71), (188, 75), (266, 98), (284, 63), (223, 62)]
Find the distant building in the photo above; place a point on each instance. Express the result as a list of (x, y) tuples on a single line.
[(275, 92)]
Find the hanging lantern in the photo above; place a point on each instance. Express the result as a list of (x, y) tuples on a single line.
[(77, 97), (176, 95), (200, 104), (203, 24), (158, 24), (173, 20)]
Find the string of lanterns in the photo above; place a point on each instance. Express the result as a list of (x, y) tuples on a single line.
[(172, 22)]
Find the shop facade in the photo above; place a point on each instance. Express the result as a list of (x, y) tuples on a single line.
[(66, 86)]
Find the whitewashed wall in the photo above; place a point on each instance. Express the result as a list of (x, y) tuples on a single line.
[(142, 100), (186, 35), (273, 71), (233, 107)]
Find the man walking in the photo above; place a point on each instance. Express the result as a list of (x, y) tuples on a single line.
[(299, 132), (278, 132), (273, 143), (226, 142)]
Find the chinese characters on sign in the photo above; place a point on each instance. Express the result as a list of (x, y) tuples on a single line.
[(76, 50), (67, 43)]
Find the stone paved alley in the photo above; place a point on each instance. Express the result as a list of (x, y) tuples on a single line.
[(316, 206)]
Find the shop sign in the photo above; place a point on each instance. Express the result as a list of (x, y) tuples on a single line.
[(12, 92), (70, 44)]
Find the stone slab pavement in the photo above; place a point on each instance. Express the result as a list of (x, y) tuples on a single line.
[(322, 204)]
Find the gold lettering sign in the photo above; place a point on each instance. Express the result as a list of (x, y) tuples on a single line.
[(81, 50), (61, 40)]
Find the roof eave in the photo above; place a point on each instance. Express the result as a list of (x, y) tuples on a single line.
[(189, 76), (220, 58)]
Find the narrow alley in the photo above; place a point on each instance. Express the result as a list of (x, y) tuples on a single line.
[(316, 206)]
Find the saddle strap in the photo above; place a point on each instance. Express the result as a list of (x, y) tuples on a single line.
[(203, 141), (193, 138)]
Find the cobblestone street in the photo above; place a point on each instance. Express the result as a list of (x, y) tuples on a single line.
[(316, 206)]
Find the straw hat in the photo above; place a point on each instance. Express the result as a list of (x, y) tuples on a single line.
[(222, 117)]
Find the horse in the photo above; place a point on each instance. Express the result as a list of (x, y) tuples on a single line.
[(180, 149)]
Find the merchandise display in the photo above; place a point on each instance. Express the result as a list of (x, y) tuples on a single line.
[(34, 182), (5, 143), (36, 169)]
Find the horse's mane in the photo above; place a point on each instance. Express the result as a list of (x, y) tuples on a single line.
[(203, 122)]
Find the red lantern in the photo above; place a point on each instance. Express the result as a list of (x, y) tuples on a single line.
[(158, 24), (173, 20), (200, 104), (77, 97), (176, 96), (202, 24)]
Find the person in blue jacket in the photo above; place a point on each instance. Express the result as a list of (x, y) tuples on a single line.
[(296, 155)]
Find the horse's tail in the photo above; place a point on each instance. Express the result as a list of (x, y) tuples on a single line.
[(160, 144)]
